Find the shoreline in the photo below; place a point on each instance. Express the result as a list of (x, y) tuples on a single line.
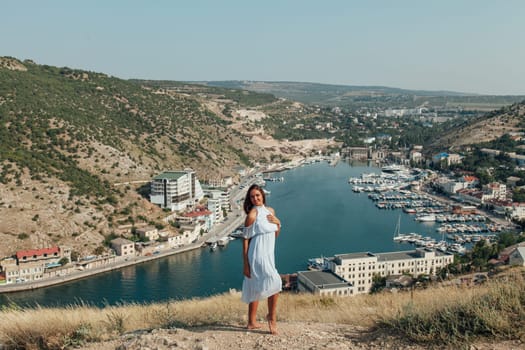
[(131, 261)]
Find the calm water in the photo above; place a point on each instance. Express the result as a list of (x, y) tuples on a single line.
[(320, 215)]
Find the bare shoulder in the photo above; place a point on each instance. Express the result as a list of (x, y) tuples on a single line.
[(270, 209), (250, 217)]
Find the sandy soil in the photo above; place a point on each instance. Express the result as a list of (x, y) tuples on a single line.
[(297, 335)]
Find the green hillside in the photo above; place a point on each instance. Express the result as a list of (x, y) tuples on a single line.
[(69, 137)]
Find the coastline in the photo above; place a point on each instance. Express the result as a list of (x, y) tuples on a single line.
[(221, 230)]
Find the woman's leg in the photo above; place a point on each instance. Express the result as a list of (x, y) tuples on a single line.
[(252, 315), (272, 313)]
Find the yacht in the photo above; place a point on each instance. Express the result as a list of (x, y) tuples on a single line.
[(426, 218), (392, 168)]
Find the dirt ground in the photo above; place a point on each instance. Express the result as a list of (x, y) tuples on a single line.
[(296, 335)]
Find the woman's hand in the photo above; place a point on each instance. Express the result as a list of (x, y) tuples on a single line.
[(273, 219)]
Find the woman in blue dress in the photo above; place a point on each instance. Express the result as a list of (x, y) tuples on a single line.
[(261, 279)]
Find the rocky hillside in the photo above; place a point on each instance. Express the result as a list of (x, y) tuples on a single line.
[(71, 141), (488, 128)]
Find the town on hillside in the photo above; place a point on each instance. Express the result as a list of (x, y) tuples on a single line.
[(211, 215)]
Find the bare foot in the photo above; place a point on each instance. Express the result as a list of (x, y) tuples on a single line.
[(272, 324), (256, 325)]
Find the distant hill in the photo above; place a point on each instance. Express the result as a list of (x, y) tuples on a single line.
[(368, 96), (490, 127)]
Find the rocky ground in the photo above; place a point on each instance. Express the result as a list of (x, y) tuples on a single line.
[(296, 335)]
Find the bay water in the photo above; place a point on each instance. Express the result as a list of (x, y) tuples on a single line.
[(320, 216)]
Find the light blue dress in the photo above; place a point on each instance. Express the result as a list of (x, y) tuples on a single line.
[(265, 280)]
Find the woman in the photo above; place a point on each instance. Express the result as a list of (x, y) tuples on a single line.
[(261, 279)]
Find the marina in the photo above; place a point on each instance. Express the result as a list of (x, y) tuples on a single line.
[(458, 226)]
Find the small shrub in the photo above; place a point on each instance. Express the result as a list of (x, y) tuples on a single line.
[(23, 236)]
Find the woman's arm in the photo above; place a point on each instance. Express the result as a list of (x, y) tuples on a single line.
[(250, 219), (246, 262)]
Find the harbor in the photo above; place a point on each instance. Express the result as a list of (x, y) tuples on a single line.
[(457, 225), (321, 216)]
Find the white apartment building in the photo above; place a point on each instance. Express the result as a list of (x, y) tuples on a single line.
[(495, 190), (176, 190), (359, 268), (215, 206), (223, 194)]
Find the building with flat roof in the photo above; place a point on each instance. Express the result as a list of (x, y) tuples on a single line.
[(176, 190), (123, 247), (359, 268), (323, 283)]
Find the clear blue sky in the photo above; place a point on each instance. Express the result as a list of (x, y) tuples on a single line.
[(475, 46)]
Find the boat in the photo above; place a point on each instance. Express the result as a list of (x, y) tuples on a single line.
[(426, 218), (223, 241), (213, 246), (393, 168), (266, 192), (406, 237), (238, 233), (318, 264)]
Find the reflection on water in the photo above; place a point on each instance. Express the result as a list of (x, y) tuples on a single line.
[(320, 214)]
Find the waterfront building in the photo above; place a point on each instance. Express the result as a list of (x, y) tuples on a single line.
[(357, 153), (200, 215), (191, 233), (16, 273), (172, 239), (359, 268), (31, 264), (449, 186), (176, 190), (215, 207), (123, 247), (495, 190), (323, 283), (149, 233)]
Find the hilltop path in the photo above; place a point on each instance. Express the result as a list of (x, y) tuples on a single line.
[(293, 336)]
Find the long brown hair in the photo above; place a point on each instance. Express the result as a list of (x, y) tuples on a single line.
[(248, 205)]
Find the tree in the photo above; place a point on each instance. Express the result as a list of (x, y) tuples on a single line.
[(75, 255), (99, 250), (63, 261), (378, 283)]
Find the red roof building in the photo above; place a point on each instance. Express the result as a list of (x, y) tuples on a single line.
[(25, 255)]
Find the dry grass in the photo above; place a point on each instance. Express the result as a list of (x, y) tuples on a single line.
[(495, 309)]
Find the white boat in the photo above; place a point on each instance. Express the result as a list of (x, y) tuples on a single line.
[(426, 218), (223, 241), (318, 264), (238, 233), (213, 246), (393, 168)]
